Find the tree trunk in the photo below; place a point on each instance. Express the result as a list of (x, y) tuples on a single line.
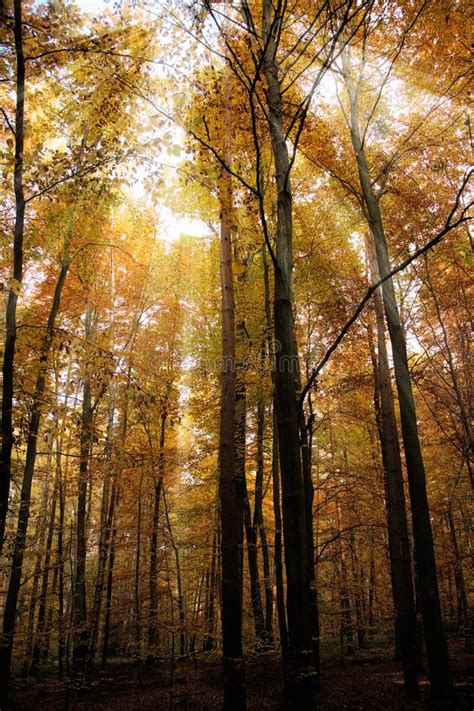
[(258, 522), (397, 525), (357, 581), (179, 583), (112, 526), (136, 587), (79, 593), (230, 488), (280, 588), (371, 597), (299, 669), (278, 557), (49, 614), (251, 530), (209, 636), (19, 545), (6, 425), (306, 436), (60, 564), (346, 630), (153, 611), (40, 535), (436, 647), (104, 541), (40, 627), (108, 598), (462, 617)]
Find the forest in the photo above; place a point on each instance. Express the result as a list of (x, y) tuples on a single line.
[(236, 416)]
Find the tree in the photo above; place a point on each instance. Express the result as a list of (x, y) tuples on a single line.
[(230, 487), (17, 274)]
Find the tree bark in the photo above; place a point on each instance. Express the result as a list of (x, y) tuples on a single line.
[(80, 636), (179, 583), (251, 531), (258, 521), (230, 487), (397, 525), (108, 598), (60, 564), (436, 647), (346, 630), (306, 436), (6, 424), (40, 627), (278, 552), (40, 536), (104, 541), (136, 586), (357, 581), (299, 667), (112, 526), (209, 636), (153, 611), (463, 614), (6, 646)]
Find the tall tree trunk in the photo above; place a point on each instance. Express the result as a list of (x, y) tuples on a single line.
[(397, 526), (346, 630), (436, 647), (107, 505), (179, 582), (61, 494), (136, 587), (104, 540), (357, 581), (79, 593), (278, 553), (279, 584), (258, 521), (462, 617), (371, 596), (251, 531), (153, 611), (209, 612), (40, 627), (268, 585), (40, 536), (6, 424), (306, 436), (108, 597), (112, 526), (197, 607), (230, 488), (6, 646), (49, 614), (299, 668), (60, 564)]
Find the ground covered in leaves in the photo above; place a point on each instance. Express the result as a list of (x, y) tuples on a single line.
[(369, 681)]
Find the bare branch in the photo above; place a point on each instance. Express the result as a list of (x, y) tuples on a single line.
[(449, 225)]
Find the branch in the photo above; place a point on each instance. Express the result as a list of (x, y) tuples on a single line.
[(392, 64), (418, 253), (81, 171), (8, 122)]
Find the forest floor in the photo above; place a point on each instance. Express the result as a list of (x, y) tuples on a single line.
[(367, 682)]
